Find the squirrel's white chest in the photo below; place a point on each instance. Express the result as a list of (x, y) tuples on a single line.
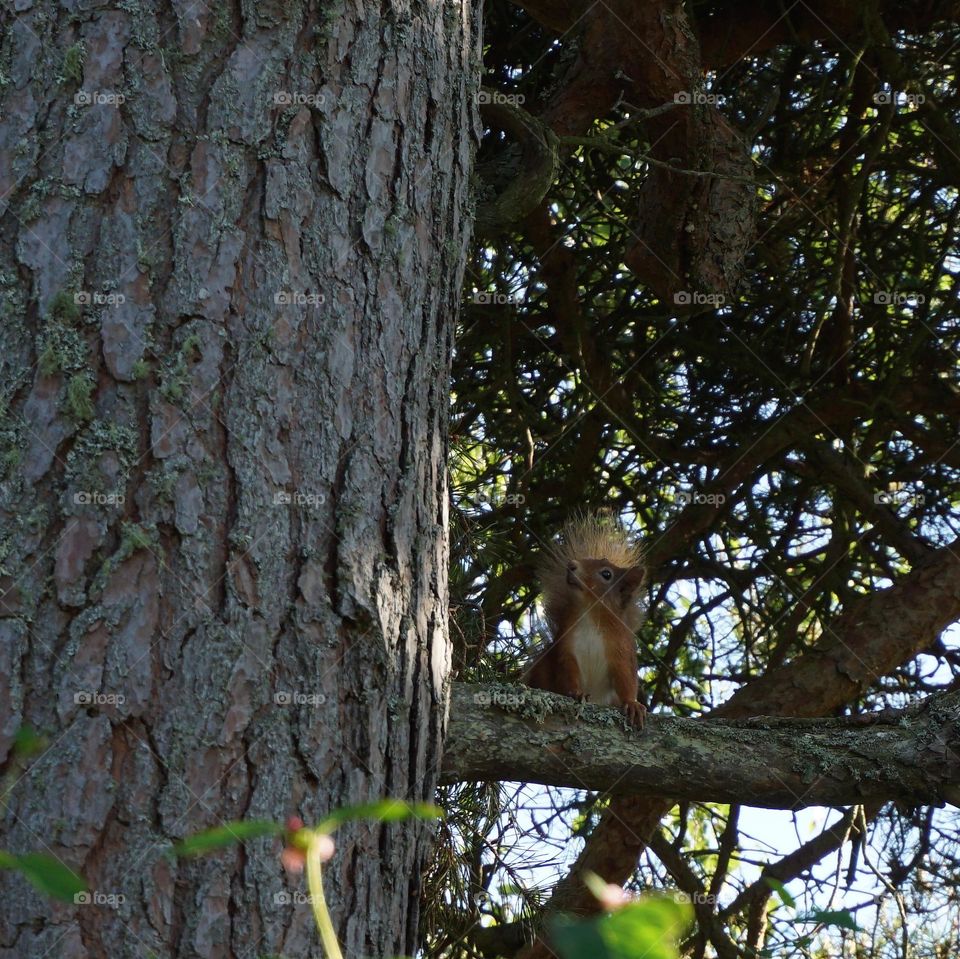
[(589, 649)]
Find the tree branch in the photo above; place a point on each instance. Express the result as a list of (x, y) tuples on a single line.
[(519, 182), (515, 733)]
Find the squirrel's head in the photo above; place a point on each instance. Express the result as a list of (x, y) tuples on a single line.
[(616, 587), (595, 564)]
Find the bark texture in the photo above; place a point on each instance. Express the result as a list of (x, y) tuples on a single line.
[(532, 736), (232, 253)]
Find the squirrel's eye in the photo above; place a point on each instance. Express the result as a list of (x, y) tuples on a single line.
[(606, 574)]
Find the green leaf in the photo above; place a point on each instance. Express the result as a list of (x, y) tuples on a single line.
[(781, 891), (577, 940), (647, 929), (650, 927), (46, 873), (831, 917), (385, 810), (226, 835)]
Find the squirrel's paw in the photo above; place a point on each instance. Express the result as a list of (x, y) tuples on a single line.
[(636, 713)]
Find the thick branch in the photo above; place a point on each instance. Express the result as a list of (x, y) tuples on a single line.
[(871, 637), (691, 231), (523, 180), (508, 732)]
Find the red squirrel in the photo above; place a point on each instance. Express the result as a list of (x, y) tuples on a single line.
[(591, 588)]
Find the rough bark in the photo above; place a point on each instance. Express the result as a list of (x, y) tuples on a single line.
[(228, 301), (501, 732)]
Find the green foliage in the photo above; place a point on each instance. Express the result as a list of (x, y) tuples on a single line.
[(45, 873), (382, 810), (191, 347), (175, 375), (64, 309), (781, 890), (28, 742), (47, 361), (841, 918), (61, 348), (314, 844), (220, 837), (140, 370), (136, 537), (647, 929)]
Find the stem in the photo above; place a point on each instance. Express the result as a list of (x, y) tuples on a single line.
[(320, 912)]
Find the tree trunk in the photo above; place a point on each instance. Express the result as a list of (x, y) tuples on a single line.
[(232, 253)]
